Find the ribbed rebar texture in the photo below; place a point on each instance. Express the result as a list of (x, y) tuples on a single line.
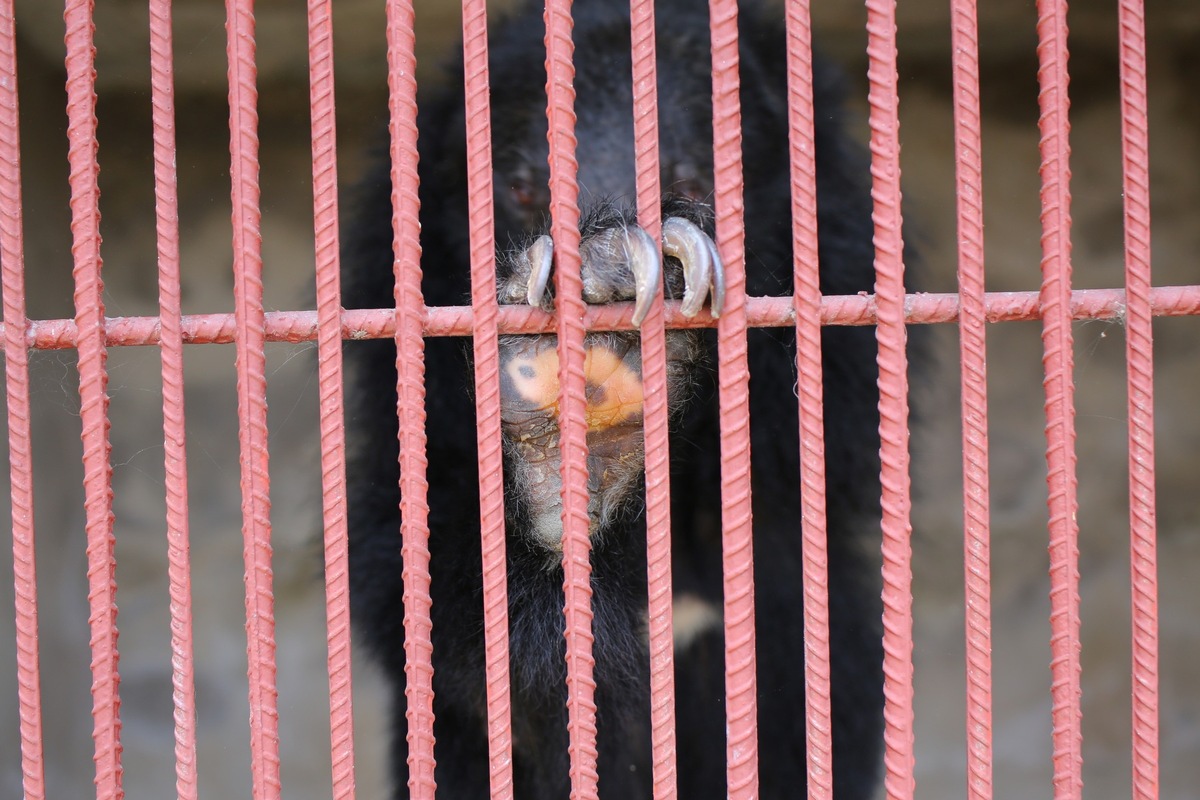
[(329, 370), (252, 403), (179, 575), (93, 383), (1139, 349), (741, 700), (487, 397), (1059, 387), (884, 101), (250, 327), (410, 390), (761, 312), (818, 719), (654, 378), (20, 447), (973, 357), (568, 287)]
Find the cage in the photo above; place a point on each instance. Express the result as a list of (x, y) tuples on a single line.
[(1038, 596)]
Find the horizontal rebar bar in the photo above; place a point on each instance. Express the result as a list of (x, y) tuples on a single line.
[(762, 312)]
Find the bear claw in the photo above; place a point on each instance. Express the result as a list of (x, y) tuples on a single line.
[(703, 272), (633, 249)]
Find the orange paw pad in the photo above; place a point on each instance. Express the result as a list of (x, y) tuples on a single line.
[(614, 389)]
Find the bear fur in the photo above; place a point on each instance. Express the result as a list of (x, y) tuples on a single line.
[(606, 179)]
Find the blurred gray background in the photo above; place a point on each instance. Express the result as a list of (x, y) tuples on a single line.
[(1020, 583)]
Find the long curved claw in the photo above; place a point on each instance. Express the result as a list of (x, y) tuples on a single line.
[(717, 287), (541, 256), (646, 266), (702, 269)]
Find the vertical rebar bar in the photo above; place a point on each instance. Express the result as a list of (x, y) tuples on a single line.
[(1139, 349), (20, 438), (657, 445), (568, 287), (741, 701), (252, 404), (179, 571), (93, 393), (884, 121), (410, 392), (1058, 384), (973, 359), (806, 294), (487, 397), (329, 370)]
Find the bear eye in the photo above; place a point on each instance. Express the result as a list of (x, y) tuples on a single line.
[(525, 193)]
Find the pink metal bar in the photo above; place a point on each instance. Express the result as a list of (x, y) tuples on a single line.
[(166, 197), (487, 397), (761, 312), (741, 706), (250, 327), (1139, 349), (973, 356), (410, 391), (1060, 400), (893, 400), (93, 380), (818, 716), (329, 367), (252, 405), (657, 446), (564, 215), (20, 446)]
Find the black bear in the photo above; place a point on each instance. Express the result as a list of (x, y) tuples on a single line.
[(615, 264)]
